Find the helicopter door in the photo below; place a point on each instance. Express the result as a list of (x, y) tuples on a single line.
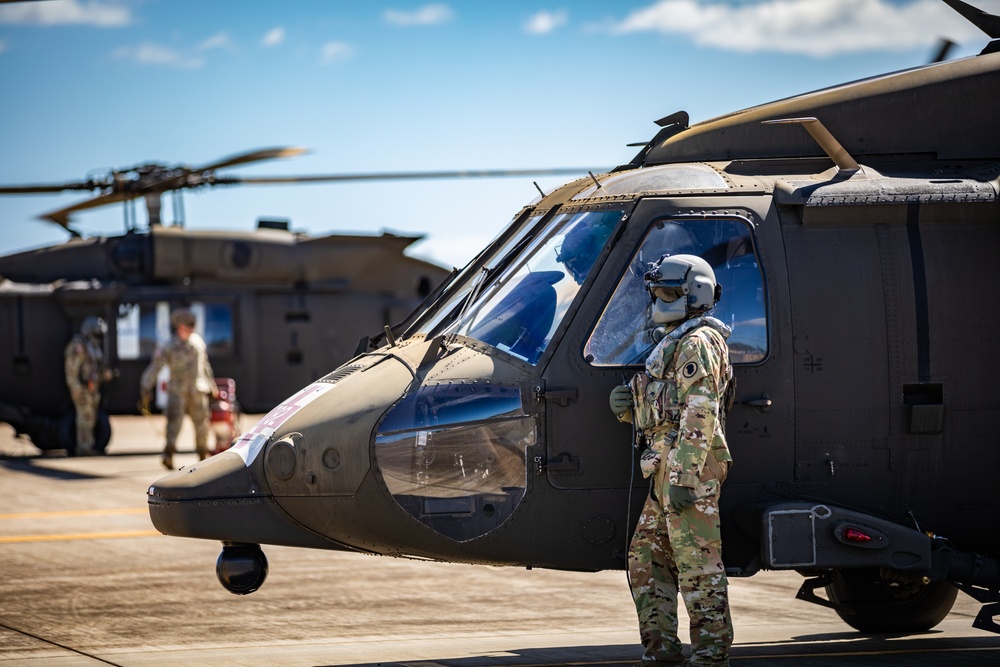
[(609, 351), (841, 298)]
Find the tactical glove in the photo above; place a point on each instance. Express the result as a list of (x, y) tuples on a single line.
[(621, 400), (681, 497)]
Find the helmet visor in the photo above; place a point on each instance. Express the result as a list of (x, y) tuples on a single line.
[(667, 291)]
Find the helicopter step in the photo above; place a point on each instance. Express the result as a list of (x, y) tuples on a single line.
[(879, 576)]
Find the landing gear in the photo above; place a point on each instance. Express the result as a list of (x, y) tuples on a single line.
[(241, 568), (67, 432), (871, 602)]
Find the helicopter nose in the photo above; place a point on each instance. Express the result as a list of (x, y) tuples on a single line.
[(221, 498)]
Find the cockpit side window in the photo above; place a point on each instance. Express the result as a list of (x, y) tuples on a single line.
[(623, 334)]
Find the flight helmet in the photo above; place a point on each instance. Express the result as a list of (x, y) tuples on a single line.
[(681, 287), (94, 328)]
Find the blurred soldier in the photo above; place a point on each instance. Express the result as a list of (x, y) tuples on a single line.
[(677, 405), (86, 368), (191, 383)]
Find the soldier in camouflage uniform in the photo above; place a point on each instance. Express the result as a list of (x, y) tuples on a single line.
[(191, 383), (676, 404), (86, 369)]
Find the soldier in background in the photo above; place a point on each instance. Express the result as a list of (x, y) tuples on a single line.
[(86, 369), (678, 405), (191, 383)]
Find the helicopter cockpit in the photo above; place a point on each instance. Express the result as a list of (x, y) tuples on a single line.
[(453, 453)]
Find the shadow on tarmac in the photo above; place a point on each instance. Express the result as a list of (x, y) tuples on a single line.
[(822, 650), (27, 465)]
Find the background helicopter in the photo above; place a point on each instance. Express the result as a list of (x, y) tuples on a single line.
[(277, 308), (864, 339)]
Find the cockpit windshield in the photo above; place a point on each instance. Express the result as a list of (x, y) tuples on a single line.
[(446, 309), (516, 305)]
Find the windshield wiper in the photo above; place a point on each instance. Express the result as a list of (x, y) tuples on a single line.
[(473, 293)]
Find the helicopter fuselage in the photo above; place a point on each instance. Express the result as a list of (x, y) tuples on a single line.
[(863, 329)]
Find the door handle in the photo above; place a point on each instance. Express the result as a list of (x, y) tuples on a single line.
[(763, 403)]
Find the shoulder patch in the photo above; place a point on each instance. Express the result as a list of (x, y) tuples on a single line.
[(690, 369)]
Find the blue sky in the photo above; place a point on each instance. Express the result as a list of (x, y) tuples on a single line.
[(90, 85)]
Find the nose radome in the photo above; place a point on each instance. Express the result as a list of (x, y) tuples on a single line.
[(221, 499), (221, 476)]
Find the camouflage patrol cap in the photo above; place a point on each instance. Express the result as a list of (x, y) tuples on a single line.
[(182, 316)]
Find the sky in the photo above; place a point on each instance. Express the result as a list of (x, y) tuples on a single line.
[(87, 86)]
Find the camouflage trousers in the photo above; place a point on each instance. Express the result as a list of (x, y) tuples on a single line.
[(194, 404), (675, 552), (86, 404)]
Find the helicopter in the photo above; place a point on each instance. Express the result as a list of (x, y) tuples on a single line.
[(853, 230), (277, 308)]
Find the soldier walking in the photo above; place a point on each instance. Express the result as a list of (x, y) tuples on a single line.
[(677, 404), (191, 383), (86, 369)]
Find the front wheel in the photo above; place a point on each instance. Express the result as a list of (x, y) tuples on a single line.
[(868, 602)]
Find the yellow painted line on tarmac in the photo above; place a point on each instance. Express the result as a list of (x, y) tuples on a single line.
[(64, 513), (15, 539)]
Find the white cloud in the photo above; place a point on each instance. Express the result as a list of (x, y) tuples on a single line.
[(336, 52), (217, 41), (810, 27), (274, 37), (67, 12), (426, 15), (155, 54), (545, 22)]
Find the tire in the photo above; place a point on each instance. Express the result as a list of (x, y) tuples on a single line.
[(67, 431), (869, 603)]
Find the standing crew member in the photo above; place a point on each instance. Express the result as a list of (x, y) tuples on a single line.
[(86, 368), (677, 404), (191, 383)]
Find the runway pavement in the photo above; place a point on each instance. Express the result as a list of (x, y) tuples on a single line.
[(86, 580)]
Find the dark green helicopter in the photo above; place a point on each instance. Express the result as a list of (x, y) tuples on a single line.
[(854, 230), (277, 308)]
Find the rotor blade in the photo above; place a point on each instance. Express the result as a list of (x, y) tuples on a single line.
[(988, 23), (400, 176), (945, 46), (253, 156), (61, 217), (56, 187)]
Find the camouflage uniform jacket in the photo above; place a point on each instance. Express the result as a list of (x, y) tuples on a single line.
[(84, 364), (677, 400), (190, 371)]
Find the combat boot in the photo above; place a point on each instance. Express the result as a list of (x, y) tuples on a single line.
[(167, 461)]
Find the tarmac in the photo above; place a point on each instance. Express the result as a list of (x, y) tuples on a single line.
[(87, 580)]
